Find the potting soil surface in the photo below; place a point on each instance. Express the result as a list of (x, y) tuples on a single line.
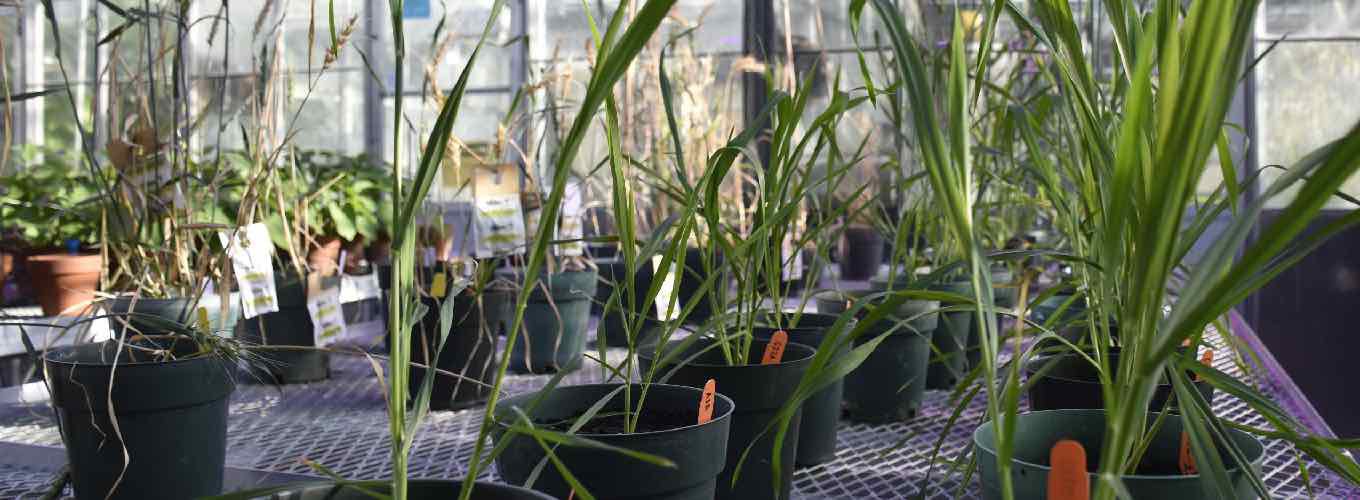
[(341, 423)]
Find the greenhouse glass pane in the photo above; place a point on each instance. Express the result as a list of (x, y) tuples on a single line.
[(327, 111), (477, 123), (1311, 18), (1303, 97), (717, 25), (438, 46), (76, 37)]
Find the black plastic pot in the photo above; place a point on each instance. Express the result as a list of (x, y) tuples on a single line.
[(611, 328), (863, 253), (948, 358), (822, 411), (555, 323), (1003, 296), (690, 282), (469, 350), (291, 325), (178, 310), (171, 416), (417, 489), (1157, 477), (758, 392), (1069, 381), (698, 450), (889, 385)]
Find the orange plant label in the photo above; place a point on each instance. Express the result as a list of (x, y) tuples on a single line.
[(1067, 478), (1207, 359), (706, 401), (774, 351), (1187, 460)]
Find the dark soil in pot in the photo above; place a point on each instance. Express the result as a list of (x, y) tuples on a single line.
[(668, 428), (822, 411), (1069, 381), (1157, 477), (291, 325), (889, 385), (417, 489), (171, 415), (555, 323), (863, 253), (469, 350), (758, 392)]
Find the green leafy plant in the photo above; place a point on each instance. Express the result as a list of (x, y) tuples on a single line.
[(47, 203)]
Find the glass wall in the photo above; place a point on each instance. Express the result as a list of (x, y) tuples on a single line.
[(1307, 82)]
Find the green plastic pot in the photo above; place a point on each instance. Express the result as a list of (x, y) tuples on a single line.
[(179, 310), (417, 489), (698, 450), (889, 385), (758, 391), (469, 350), (171, 416), (1069, 381), (1157, 477), (555, 323), (291, 325), (821, 411), (612, 329), (949, 341)]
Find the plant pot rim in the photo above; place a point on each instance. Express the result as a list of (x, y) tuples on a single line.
[(717, 418), (649, 352), (53, 256), (482, 485), (1253, 455), (1036, 363), (48, 353)]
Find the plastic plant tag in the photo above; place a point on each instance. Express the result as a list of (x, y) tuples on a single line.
[(498, 211), (1067, 477), (354, 288), (252, 254), (570, 227), (666, 297), (1187, 459), (440, 286), (774, 351), (328, 320), (458, 221), (706, 401), (792, 259)]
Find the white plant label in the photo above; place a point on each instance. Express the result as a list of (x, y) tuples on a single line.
[(498, 211), (328, 319), (461, 230), (252, 254), (500, 225), (667, 308), (793, 268), (570, 228), (354, 288)]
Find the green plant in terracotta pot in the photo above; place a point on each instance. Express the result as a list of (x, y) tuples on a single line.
[(53, 210)]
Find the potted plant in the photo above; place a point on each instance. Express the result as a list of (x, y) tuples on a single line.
[(144, 417), (1165, 128), (316, 206), (53, 210)]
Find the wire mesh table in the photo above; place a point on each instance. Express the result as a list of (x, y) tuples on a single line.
[(341, 423)]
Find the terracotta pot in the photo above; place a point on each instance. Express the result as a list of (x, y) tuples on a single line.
[(325, 256), (355, 260), (380, 251), (6, 269), (64, 284)]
